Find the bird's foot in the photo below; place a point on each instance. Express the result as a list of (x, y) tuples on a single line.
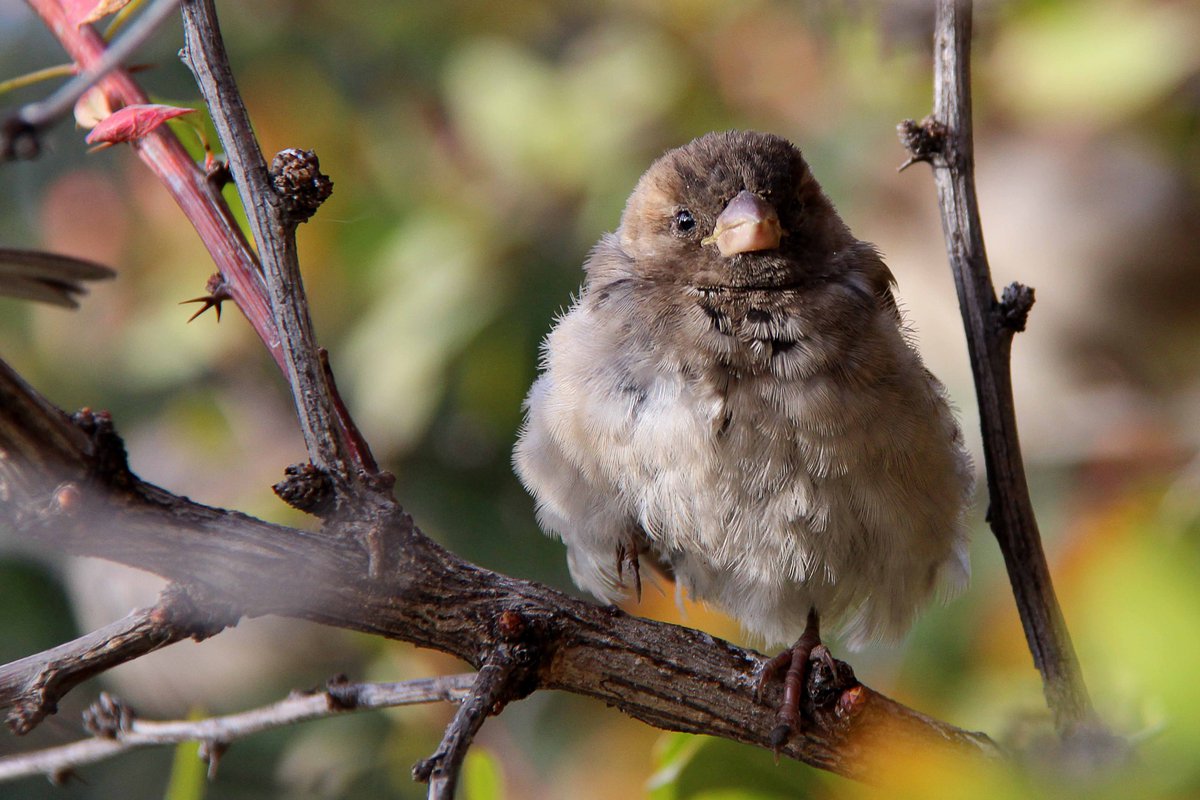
[(797, 660), (628, 552)]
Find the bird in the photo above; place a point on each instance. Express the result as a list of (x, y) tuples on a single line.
[(47, 277), (735, 397)]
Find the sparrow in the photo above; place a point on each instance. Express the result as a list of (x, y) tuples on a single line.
[(735, 397), (47, 277)]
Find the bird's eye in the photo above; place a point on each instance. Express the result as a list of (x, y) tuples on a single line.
[(684, 221)]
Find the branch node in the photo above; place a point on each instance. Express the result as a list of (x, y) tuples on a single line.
[(511, 625), (308, 488), (218, 176), (61, 777), (834, 692), (296, 176), (108, 717), (109, 464), (68, 500), (1015, 302), (341, 694), (193, 612), (923, 141)]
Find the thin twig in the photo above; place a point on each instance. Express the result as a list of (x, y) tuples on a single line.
[(945, 140), (329, 446), (119, 731), (36, 116), (31, 687), (488, 693), (37, 76)]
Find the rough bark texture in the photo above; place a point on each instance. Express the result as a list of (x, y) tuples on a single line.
[(671, 677)]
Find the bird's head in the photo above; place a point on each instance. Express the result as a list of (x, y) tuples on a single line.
[(734, 210)]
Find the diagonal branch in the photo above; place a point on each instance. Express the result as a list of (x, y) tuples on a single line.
[(945, 141), (187, 184), (31, 687), (118, 730), (668, 676), (499, 680)]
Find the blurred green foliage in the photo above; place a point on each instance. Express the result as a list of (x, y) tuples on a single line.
[(478, 150)]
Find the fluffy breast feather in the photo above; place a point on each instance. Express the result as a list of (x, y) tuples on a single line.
[(780, 449)]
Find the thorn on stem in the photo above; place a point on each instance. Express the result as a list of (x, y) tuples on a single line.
[(110, 462), (218, 292)]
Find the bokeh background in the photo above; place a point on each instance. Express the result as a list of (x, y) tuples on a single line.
[(478, 150)]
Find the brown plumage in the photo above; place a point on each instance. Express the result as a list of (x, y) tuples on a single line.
[(733, 395)]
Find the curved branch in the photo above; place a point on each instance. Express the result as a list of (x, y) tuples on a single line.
[(30, 688), (668, 676), (945, 141)]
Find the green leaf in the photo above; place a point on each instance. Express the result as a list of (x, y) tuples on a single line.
[(482, 777), (188, 778)]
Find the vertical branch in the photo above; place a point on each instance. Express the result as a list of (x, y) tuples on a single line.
[(945, 140), (330, 445)]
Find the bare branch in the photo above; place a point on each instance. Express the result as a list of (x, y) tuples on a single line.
[(668, 676), (31, 687), (945, 141), (326, 434), (118, 730), (499, 680)]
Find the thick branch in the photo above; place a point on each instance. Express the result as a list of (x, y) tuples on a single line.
[(671, 677), (31, 687), (119, 731), (945, 140), (326, 435)]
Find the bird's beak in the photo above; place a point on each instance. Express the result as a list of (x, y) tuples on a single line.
[(747, 224)]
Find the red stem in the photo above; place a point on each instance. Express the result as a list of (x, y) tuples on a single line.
[(187, 183)]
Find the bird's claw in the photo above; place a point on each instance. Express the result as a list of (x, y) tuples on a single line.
[(627, 555)]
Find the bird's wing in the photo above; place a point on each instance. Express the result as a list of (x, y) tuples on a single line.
[(47, 277)]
